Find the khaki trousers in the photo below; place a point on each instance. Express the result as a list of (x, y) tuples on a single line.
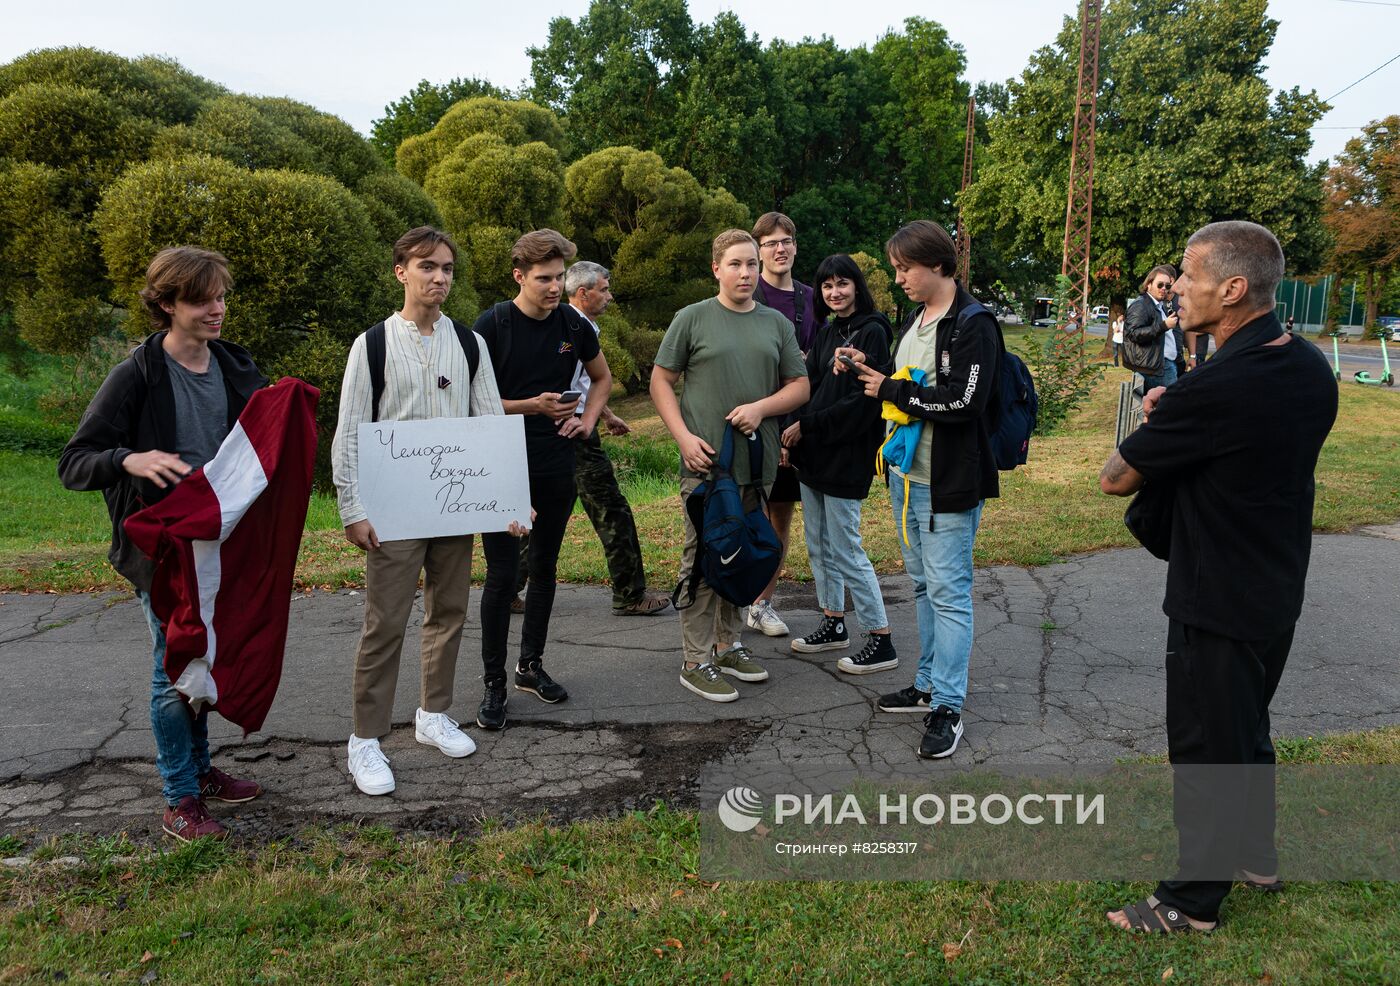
[(391, 582), (711, 619)]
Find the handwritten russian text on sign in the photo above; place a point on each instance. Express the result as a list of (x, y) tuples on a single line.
[(444, 476)]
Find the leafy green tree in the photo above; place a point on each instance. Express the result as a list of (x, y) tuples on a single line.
[(616, 76), (151, 88), (490, 193), (82, 132), (922, 117), (723, 131), (515, 122), (49, 269), (651, 226), (420, 110), (235, 128), (1188, 133), (301, 246), (307, 264), (1363, 212)]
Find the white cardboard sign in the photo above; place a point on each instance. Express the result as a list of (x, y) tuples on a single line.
[(444, 476)]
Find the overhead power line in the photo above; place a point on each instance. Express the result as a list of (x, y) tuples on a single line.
[(1364, 77)]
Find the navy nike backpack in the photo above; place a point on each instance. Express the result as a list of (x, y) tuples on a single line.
[(738, 551)]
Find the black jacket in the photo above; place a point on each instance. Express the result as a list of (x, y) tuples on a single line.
[(959, 407), (1144, 337), (134, 411), (841, 427)]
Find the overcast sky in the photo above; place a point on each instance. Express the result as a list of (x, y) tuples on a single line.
[(351, 57)]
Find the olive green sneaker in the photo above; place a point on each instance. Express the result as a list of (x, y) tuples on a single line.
[(738, 663), (706, 681)]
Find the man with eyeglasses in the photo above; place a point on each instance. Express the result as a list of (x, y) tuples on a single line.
[(1149, 331), (777, 289)]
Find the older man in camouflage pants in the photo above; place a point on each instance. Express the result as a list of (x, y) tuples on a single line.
[(588, 287)]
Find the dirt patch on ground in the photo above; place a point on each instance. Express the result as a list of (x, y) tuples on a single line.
[(533, 771)]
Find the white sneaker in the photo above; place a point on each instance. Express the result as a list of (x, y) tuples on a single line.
[(369, 766), (761, 617), (440, 730)]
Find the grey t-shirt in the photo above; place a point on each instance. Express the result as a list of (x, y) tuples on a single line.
[(201, 411), (730, 358)]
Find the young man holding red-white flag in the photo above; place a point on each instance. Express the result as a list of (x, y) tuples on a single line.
[(161, 414)]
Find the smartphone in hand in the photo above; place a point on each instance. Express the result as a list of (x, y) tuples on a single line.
[(857, 368), (569, 396)]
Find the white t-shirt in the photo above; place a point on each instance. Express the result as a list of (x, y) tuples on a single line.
[(582, 381)]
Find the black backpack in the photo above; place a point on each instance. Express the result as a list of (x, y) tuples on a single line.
[(1015, 400), (375, 355), (738, 550)]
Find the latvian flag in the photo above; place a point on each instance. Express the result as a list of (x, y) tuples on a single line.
[(225, 546)]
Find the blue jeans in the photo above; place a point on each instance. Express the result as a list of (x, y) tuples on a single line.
[(1165, 379), (831, 526), (940, 564), (182, 739)]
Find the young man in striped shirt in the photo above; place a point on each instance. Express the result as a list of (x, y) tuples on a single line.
[(427, 374)]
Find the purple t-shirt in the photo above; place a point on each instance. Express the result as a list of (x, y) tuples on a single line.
[(786, 303)]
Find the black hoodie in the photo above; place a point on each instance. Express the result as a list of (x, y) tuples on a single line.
[(841, 427), (958, 404), (134, 411)]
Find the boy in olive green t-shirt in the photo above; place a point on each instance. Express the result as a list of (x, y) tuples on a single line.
[(742, 367)]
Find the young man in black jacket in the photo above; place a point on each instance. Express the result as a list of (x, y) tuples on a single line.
[(161, 414), (1151, 345), (952, 470), (833, 442)]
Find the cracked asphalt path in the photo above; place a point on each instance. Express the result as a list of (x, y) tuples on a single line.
[(1067, 667)]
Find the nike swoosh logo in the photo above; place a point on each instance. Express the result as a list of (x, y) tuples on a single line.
[(725, 561)]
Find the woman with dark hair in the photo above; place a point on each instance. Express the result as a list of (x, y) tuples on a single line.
[(834, 442)]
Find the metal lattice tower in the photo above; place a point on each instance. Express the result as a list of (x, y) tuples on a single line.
[(1079, 213), (964, 237)]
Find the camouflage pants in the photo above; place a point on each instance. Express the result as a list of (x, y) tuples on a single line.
[(611, 517)]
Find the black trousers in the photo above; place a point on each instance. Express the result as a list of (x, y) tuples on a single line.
[(1218, 694), (552, 498)]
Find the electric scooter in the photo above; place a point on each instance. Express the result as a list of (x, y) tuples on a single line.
[(1336, 357), (1386, 377)]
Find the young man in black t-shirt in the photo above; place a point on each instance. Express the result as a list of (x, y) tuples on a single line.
[(1232, 448), (535, 345)]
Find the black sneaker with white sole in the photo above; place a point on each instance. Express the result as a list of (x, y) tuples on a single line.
[(830, 635), (877, 655), (492, 712), (942, 735), (532, 677), (905, 700)]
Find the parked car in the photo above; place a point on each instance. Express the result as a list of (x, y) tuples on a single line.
[(1099, 313), (1392, 323)]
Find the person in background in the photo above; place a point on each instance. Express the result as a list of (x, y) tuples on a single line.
[(776, 236), (589, 290), (834, 442)]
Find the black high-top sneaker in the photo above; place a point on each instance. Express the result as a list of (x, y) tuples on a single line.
[(877, 655), (830, 635)]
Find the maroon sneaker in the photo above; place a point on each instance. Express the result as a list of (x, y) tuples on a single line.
[(190, 820), (218, 786)]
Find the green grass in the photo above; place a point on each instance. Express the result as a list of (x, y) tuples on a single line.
[(1049, 509), (621, 902)]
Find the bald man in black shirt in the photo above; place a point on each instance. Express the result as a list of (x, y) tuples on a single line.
[(1231, 449)]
